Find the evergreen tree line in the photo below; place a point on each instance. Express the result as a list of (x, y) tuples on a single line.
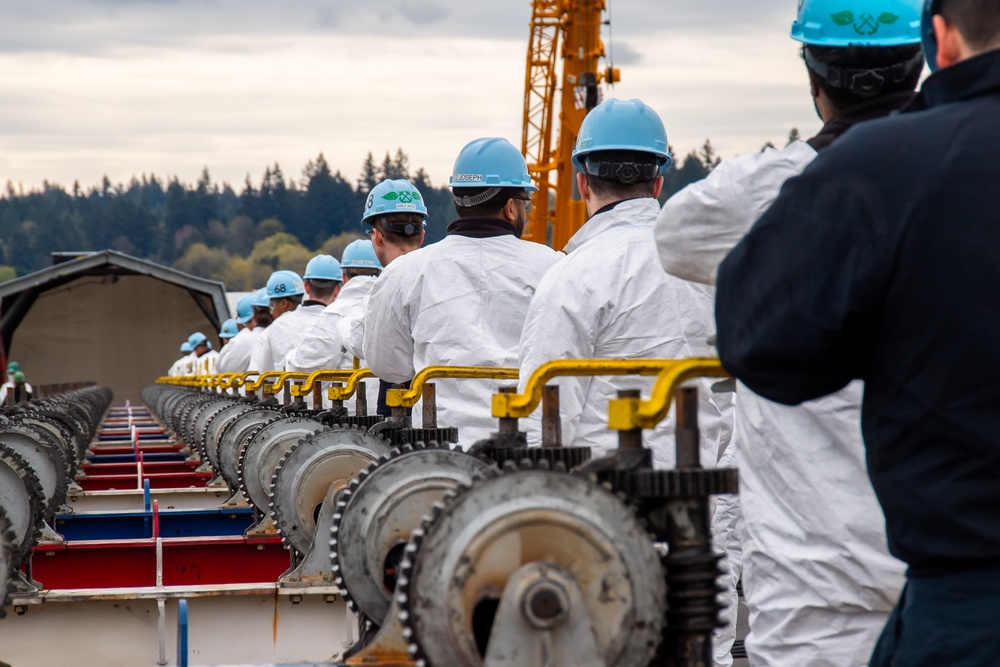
[(212, 231)]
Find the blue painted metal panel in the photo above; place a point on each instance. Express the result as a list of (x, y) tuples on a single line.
[(139, 525)]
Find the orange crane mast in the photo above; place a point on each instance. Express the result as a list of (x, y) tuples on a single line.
[(557, 211)]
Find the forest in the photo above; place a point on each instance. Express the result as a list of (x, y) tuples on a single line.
[(217, 232)]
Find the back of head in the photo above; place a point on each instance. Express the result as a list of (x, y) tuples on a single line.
[(323, 275), (488, 173), (860, 50), (285, 285), (622, 149), (228, 329), (359, 259), (244, 308), (978, 21), (397, 209)]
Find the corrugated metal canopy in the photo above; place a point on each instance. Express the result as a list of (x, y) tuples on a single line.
[(107, 317)]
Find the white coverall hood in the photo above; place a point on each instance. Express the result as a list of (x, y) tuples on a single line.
[(458, 302), (817, 575)]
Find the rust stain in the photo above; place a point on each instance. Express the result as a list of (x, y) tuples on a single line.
[(274, 623)]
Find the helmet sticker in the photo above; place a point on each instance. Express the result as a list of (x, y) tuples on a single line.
[(864, 24)]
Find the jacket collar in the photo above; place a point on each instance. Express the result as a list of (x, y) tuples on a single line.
[(878, 107), (481, 228), (968, 79), (625, 213)]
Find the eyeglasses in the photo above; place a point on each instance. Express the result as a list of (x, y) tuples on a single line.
[(527, 202)]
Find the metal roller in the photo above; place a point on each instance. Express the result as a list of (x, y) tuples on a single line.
[(265, 448), (22, 499), (234, 438), (40, 451), (317, 466), (379, 511), (532, 567)]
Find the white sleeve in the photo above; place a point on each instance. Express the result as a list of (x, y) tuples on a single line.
[(388, 344), (699, 225), (557, 328), (351, 329), (319, 348), (260, 359)]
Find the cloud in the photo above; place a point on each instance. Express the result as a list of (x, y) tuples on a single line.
[(123, 87)]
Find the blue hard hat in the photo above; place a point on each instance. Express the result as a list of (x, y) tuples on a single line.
[(360, 255), (490, 162), (323, 267), (244, 308), (861, 22), (284, 283), (931, 7), (229, 329), (198, 338), (394, 196), (13, 367), (186, 347), (622, 125), (260, 298)]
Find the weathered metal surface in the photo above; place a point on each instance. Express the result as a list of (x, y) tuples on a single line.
[(235, 625), (133, 563)]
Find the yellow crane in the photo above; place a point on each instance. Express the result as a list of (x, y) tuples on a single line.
[(566, 31)]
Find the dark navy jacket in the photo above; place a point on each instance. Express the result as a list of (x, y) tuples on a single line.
[(882, 262)]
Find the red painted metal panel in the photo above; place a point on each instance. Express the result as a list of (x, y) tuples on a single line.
[(119, 564), (186, 561), (148, 468), (128, 449), (169, 480), (201, 562)]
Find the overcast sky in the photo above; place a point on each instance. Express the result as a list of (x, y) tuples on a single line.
[(125, 87)]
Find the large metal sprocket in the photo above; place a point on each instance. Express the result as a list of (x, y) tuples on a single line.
[(476, 540), (7, 562), (308, 472), (378, 512), (265, 446), (23, 500), (46, 459)]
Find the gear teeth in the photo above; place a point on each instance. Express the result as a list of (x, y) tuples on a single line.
[(36, 500)]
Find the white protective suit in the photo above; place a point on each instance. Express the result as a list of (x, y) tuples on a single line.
[(458, 302), (205, 364), (817, 574), (608, 298), (234, 357), (278, 340), (183, 366), (322, 347)]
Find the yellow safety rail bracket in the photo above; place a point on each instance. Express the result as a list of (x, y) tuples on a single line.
[(228, 380), (254, 385), (627, 414), (345, 392), (327, 374), (520, 406), (283, 378), (407, 398)]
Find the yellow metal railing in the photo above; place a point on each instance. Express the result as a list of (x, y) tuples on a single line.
[(407, 398)]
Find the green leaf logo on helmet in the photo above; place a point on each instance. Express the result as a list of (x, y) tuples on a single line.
[(865, 24), (841, 23)]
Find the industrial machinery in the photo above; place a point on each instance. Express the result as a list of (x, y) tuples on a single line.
[(566, 32), (491, 555)]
